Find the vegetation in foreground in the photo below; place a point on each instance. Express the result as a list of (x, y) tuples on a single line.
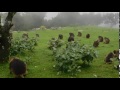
[(40, 61)]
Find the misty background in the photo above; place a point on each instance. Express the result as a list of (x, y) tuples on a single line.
[(30, 20)]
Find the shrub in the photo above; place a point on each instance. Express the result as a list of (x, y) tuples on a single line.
[(20, 45), (68, 59), (55, 43), (42, 27)]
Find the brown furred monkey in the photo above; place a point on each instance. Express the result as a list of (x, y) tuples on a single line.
[(60, 36), (79, 34), (108, 57), (106, 40), (17, 67), (71, 34), (71, 38), (116, 53), (96, 43), (37, 35), (25, 35), (100, 38), (88, 36)]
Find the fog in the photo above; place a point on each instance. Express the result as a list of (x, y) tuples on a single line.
[(30, 20), (50, 15)]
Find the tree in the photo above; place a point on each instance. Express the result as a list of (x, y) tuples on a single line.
[(28, 20), (112, 19), (5, 37)]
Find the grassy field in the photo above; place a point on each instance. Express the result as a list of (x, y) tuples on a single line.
[(41, 60)]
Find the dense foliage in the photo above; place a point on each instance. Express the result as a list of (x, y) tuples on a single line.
[(55, 43), (20, 45), (69, 59)]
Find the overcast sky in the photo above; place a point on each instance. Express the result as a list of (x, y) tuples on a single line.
[(49, 15), (53, 14)]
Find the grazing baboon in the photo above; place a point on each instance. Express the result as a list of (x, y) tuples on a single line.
[(37, 35), (108, 57), (88, 36), (25, 35), (96, 43), (60, 36), (52, 38), (106, 40), (71, 38), (17, 67), (71, 34), (100, 38), (116, 53), (79, 34)]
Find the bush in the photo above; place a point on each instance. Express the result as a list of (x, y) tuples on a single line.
[(20, 45), (68, 59), (55, 43), (42, 27)]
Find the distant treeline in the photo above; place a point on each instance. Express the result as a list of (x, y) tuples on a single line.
[(30, 20)]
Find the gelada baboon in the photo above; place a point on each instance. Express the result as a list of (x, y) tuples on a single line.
[(96, 43), (52, 38), (71, 37), (100, 38), (108, 57), (37, 35), (17, 67), (79, 34), (88, 36), (60, 36), (71, 34), (25, 35), (106, 40), (116, 53)]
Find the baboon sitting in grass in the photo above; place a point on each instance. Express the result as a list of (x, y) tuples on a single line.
[(108, 57), (37, 35), (71, 38), (88, 36), (79, 34), (25, 35), (116, 53), (96, 43), (17, 67), (106, 40), (71, 34), (100, 38), (60, 36)]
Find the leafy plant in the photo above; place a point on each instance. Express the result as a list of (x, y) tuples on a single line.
[(20, 45), (42, 27), (55, 43), (88, 54), (68, 59)]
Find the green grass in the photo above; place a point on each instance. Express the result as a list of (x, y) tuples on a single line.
[(41, 60)]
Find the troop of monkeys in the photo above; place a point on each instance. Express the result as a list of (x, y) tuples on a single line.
[(19, 68), (101, 39), (95, 43), (71, 38), (25, 35)]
